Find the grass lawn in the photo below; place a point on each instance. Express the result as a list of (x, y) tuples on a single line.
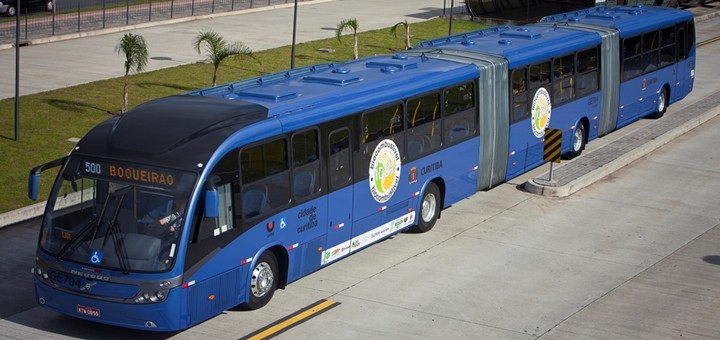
[(49, 120)]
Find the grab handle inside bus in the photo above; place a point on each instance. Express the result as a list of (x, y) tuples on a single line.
[(34, 177)]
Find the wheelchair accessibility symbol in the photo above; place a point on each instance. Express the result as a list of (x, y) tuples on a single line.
[(96, 257)]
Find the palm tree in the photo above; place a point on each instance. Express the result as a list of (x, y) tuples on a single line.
[(351, 24), (134, 47), (393, 30), (218, 50)]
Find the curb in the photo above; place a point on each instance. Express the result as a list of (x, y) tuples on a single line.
[(542, 187), (22, 214)]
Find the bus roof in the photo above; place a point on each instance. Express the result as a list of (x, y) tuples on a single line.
[(628, 20), (520, 45), (329, 91), (166, 130)]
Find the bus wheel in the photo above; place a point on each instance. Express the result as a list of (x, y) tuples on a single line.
[(662, 104), (429, 209), (578, 141), (263, 281)]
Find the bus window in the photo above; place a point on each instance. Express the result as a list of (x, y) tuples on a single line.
[(306, 163), (377, 125), (586, 80), (651, 53), (631, 55), (382, 123), (685, 39), (539, 74), (226, 179), (667, 41), (691, 36), (423, 119), (265, 179), (339, 160), (562, 83), (518, 86), (459, 114)]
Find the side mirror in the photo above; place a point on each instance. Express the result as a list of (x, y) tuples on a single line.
[(34, 177), (33, 186), (211, 203)]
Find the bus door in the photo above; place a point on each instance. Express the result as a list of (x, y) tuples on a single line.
[(685, 60), (340, 197), (377, 165)]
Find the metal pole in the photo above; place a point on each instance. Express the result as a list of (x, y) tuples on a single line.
[(17, 71), (292, 49), (452, 7), (551, 169)]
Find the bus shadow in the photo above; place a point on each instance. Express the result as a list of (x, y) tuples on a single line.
[(82, 329), (712, 259)]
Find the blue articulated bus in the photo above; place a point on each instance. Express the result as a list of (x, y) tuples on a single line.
[(189, 205)]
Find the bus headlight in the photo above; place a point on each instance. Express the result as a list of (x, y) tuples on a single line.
[(150, 297)]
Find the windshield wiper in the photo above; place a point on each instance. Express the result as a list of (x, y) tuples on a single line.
[(96, 221), (112, 231)]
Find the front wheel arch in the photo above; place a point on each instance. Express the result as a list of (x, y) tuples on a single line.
[(273, 262)]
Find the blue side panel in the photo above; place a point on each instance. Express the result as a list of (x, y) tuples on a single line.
[(459, 170), (639, 96), (210, 297)]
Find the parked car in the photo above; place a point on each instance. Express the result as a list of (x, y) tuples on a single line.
[(9, 7)]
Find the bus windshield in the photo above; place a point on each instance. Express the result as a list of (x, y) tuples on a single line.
[(116, 216)]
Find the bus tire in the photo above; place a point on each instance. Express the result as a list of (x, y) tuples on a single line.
[(263, 281), (429, 209), (662, 104), (579, 137)]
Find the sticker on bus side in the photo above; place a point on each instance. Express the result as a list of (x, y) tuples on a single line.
[(384, 170), (540, 112), (367, 238)]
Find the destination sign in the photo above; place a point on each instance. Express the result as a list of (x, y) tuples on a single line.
[(123, 172)]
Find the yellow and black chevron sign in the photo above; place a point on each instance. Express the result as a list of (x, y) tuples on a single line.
[(553, 141)]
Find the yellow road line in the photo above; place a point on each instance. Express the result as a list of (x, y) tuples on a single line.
[(709, 41), (293, 320)]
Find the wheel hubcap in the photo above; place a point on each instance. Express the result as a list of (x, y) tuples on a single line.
[(661, 102), (578, 138), (262, 279), (428, 207)]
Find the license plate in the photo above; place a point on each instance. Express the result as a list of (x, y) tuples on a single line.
[(90, 311), (66, 280)]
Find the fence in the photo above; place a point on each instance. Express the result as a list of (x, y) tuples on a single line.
[(90, 15)]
